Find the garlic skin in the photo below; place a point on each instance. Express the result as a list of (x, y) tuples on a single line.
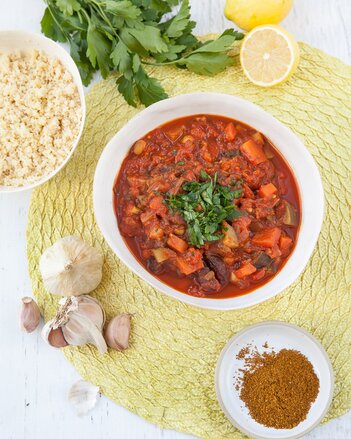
[(71, 267), (117, 332), (80, 320), (83, 396), (30, 315)]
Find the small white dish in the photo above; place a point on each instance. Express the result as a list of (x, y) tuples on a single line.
[(278, 335), (294, 151), (14, 40)]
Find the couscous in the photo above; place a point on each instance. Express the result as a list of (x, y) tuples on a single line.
[(40, 116)]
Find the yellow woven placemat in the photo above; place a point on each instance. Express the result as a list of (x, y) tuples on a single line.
[(167, 375)]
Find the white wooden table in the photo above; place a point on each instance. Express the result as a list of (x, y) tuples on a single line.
[(34, 379)]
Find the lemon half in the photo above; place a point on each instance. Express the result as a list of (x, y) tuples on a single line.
[(269, 55)]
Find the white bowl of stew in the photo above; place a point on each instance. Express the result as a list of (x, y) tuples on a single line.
[(209, 199)]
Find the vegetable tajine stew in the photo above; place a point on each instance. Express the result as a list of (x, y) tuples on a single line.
[(208, 206)]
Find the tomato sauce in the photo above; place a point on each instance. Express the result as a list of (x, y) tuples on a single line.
[(162, 172)]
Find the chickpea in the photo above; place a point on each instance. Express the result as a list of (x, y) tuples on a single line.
[(139, 146)]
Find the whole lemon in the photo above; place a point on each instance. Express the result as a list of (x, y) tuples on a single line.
[(248, 14)]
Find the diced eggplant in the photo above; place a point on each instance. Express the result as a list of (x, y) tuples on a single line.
[(262, 260), (273, 267), (162, 254), (216, 264), (231, 153), (230, 237), (154, 266), (290, 215), (207, 281)]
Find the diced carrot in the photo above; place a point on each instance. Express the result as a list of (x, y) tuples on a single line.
[(245, 270), (253, 152), (267, 190), (147, 216), (259, 274), (213, 149), (205, 154), (156, 203), (155, 233), (274, 252), (267, 238), (176, 243), (190, 261), (185, 267), (131, 209), (230, 132), (285, 244)]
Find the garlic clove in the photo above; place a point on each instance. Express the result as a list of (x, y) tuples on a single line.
[(70, 267), (91, 308), (53, 336), (83, 396), (29, 315), (56, 338), (78, 321), (80, 330), (118, 331)]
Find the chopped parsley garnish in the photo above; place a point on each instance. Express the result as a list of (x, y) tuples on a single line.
[(204, 206)]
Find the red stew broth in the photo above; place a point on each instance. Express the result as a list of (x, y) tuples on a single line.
[(164, 152)]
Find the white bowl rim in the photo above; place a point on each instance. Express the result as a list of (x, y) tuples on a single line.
[(60, 53), (314, 216), (283, 324)]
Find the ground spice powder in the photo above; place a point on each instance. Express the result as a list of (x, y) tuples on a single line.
[(278, 388)]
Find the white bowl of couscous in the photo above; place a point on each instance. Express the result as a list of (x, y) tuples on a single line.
[(42, 109)]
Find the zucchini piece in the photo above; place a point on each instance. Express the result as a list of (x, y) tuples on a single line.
[(268, 151), (290, 215), (262, 260), (232, 278), (162, 254), (230, 237)]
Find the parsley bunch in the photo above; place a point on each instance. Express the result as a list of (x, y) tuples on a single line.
[(122, 35), (204, 206)]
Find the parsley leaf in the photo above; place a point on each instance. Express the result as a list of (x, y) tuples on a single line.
[(78, 51), (68, 6), (50, 27), (211, 58), (179, 22), (126, 88), (208, 64), (150, 38), (204, 206), (123, 9), (121, 57), (99, 49), (122, 35), (149, 89)]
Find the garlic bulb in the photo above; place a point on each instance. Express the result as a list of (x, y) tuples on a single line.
[(30, 315), (83, 396), (117, 332), (71, 267), (80, 320)]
